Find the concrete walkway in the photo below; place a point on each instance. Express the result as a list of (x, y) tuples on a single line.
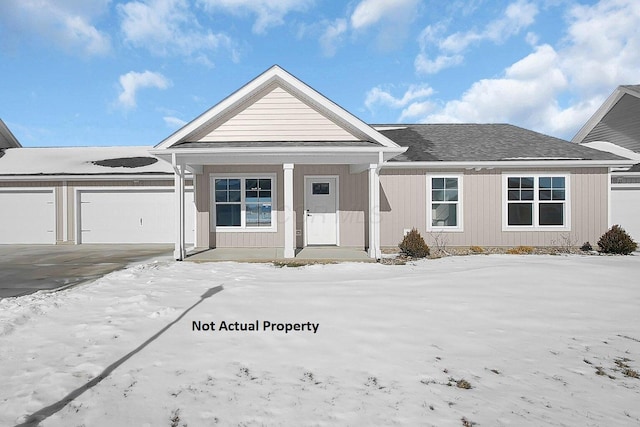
[(25, 269), (310, 254)]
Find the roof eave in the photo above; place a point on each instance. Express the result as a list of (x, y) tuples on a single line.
[(507, 164)]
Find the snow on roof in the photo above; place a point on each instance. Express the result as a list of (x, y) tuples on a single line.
[(81, 161)]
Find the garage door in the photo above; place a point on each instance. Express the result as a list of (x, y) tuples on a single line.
[(27, 216), (625, 205), (132, 216)]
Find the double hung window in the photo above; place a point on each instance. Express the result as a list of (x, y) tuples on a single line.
[(537, 201), (243, 203), (445, 203)]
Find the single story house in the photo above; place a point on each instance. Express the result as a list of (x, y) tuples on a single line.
[(615, 128), (277, 164)]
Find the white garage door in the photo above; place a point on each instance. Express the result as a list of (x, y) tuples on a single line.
[(625, 206), (132, 216), (27, 216)]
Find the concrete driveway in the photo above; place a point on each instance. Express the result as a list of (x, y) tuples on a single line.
[(25, 269)]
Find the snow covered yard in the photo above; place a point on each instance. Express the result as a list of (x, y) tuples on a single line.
[(538, 340)]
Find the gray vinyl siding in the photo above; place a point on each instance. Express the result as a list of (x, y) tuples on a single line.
[(405, 191)]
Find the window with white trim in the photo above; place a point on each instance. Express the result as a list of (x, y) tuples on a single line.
[(537, 201), (445, 202), (243, 203)]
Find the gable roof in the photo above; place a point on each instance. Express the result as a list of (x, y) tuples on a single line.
[(483, 142), (7, 139), (274, 83), (616, 120)]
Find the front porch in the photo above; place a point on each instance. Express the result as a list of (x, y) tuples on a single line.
[(310, 254)]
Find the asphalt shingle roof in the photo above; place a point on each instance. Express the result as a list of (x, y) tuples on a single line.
[(483, 142)]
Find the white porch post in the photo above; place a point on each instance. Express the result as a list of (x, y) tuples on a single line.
[(179, 250), (374, 212), (289, 221)]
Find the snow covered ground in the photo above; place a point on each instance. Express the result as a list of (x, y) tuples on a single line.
[(540, 340)]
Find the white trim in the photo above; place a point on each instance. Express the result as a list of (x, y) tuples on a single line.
[(289, 212), (536, 201), (39, 190), (337, 178), (243, 177), (65, 213), (374, 211), (460, 203), (609, 185), (77, 200)]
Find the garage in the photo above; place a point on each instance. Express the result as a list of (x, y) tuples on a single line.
[(625, 205), (131, 216), (27, 216)]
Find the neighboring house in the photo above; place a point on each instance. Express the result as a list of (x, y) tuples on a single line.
[(87, 195), (276, 164), (615, 127)]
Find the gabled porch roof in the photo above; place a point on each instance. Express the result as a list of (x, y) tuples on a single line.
[(277, 119)]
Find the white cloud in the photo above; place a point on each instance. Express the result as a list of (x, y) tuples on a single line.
[(269, 13), (414, 101), (390, 17), (65, 23), (174, 122), (167, 27), (370, 12), (516, 17), (332, 36), (131, 82), (553, 89), (603, 45), (425, 65)]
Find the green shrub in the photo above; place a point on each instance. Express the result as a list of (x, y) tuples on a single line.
[(617, 241), (586, 247), (413, 245)]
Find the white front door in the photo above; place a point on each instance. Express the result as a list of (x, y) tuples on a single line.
[(321, 207)]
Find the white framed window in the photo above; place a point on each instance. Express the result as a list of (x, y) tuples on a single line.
[(534, 201), (243, 203), (444, 196)]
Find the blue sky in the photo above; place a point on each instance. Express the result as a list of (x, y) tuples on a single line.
[(118, 72)]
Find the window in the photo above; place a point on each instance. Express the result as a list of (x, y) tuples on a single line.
[(445, 198), (243, 203), (537, 201), (320, 188)]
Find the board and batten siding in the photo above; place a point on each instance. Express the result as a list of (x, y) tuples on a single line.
[(352, 205), (240, 239), (404, 206), (353, 202), (278, 116)]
